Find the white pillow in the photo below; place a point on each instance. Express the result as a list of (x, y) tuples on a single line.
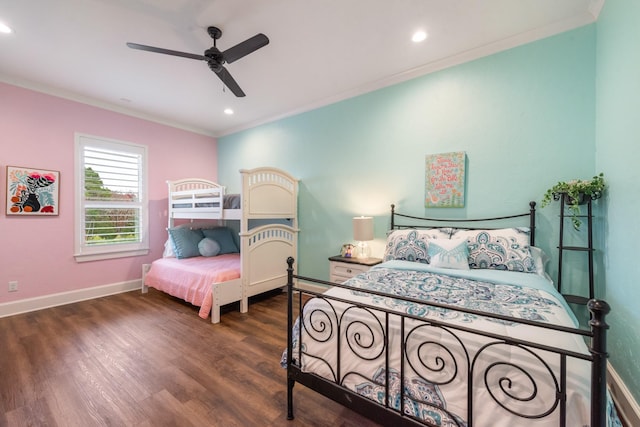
[(449, 253), (168, 249), (540, 260)]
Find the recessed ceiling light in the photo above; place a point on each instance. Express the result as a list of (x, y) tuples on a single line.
[(419, 36), (228, 111), (4, 28)]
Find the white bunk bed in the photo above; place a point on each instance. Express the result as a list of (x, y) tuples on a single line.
[(195, 198), (269, 195)]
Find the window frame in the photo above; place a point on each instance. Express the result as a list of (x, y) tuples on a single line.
[(84, 252)]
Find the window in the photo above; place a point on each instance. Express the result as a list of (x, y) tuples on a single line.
[(111, 199)]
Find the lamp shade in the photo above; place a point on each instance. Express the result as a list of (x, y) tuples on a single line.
[(362, 228)]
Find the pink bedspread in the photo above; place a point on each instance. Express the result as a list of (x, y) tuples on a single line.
[(190, 279)]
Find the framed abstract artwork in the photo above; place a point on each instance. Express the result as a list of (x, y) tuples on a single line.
[(445, 180), (32, 192)]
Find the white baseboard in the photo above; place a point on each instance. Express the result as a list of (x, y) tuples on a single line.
[(62, 298), (627, 407)]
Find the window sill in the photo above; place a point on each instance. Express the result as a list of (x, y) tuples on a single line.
[(110, 255)]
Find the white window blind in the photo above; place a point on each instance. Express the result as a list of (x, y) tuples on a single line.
[(111, 201)]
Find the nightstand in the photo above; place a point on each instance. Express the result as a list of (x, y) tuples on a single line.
[(341, 269)]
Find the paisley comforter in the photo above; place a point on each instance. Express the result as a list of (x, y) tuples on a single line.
[(449, 371)]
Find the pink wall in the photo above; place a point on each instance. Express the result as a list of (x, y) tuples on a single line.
[(37, 131)]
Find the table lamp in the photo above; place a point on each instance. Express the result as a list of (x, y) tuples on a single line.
[(362, 233)]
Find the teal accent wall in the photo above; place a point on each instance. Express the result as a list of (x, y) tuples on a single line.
[(525, 118), (618, 155), (560, 108)]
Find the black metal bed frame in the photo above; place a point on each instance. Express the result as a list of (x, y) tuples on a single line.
[(386, 413), (422, 222)]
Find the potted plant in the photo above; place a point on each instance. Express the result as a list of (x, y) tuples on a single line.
[(575, 193)]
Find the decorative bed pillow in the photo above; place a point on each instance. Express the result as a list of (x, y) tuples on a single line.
[(411, 244), (168, 249), (500, 249), (208, 247), (224, 237), (540, 260), (232, 201), (197, 224), (449, 253), (185, 241)]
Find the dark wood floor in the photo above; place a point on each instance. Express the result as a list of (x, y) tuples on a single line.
[(149, 360)]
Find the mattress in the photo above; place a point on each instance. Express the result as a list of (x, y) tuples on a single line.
[(191, 278)]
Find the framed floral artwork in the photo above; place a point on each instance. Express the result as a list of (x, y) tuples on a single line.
[(32, 192)]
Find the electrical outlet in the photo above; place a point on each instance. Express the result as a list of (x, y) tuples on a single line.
[(13, 286)]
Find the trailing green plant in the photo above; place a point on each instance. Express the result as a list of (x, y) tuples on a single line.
[(575, 192)]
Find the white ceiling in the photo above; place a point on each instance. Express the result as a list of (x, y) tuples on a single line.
[(319, 51)]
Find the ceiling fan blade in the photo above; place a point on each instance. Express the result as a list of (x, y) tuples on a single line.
[(229, 82), (166, 51), (244, 48)]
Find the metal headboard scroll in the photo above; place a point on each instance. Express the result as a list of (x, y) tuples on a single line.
[(424, 222)]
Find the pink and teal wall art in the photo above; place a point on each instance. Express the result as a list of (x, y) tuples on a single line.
[(444, 181), (32, 191)]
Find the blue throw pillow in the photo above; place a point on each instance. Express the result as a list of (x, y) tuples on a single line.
[(449, 253), (185, 241), (208, 247), (224, 237)]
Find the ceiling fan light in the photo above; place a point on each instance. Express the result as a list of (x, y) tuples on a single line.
[(5, 29), (419, 36)]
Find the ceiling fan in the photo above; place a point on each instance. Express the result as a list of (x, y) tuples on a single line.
[(214, 57)]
